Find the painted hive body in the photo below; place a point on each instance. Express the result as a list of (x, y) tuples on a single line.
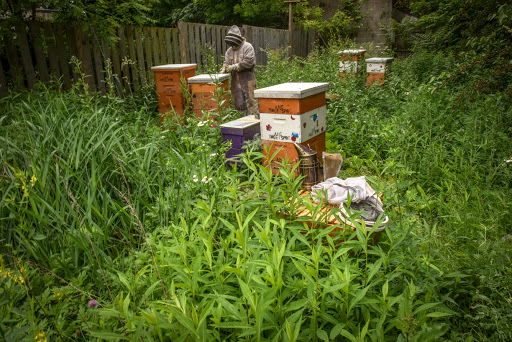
[(377, 69), (349, 61), (239, 132), (168, 86), (208, 91), (291, 112)]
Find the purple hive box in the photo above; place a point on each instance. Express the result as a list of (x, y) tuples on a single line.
[(239, 131)]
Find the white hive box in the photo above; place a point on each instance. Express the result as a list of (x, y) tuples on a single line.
[(293, 128), (349, 61), (379, 65)]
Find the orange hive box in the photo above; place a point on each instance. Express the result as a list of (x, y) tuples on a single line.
[(349, 61), (377, 69), (289, 113), (206, 89), (168, 86)]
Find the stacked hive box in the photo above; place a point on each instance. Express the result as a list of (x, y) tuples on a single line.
[(292, 112), (349, 61), (208, 91), (239, 132), (168, 86), (377, 69)]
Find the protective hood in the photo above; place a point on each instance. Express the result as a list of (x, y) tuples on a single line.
[(234, 36)]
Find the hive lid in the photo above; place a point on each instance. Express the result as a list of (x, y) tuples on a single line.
[(208, 78), (351, 52), (242, 123), (291, 90), (172, 66), (379, 60)]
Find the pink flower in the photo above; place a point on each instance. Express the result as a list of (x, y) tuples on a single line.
[(92, 304)]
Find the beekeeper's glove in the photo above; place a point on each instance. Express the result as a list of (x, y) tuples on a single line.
[(233, 67)]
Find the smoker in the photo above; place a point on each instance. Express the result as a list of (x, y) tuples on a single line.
[(309, 167)]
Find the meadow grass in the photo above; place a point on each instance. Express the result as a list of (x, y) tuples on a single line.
[(99, 203)]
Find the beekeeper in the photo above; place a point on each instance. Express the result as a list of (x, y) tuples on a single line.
[(240, 60)]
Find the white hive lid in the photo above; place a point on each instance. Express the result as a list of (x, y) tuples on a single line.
[(291, 90), (379, 60), (351, 52), (172, 66), (246, 121), (208, 78)]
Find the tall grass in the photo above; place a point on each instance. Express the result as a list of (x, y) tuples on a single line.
[(99, 203)]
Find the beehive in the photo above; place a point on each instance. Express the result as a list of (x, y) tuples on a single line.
[(168, 86), (292, 112), (208, 90), (239, 132), (349, 61), (377, 69)]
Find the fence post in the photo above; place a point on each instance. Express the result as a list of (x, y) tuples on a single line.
[(183, 47)]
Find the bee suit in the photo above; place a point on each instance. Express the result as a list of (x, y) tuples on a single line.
[(240, 60)]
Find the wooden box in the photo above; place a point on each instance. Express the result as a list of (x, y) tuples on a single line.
[(349, 61), (293, 128), (239, 132), (377, 69), (168, 86), (206, 89), (288, 152), (292, 112), (291, 98)]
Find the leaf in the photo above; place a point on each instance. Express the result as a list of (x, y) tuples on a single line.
[(385, 290), (150, 289), (304, 272), (348, 335), (322, 334), (150, 317), (365, 330), (437, 314), (336, 330), (360, 295), (374, 269), (424, 307), (108, 335), (247, 293)]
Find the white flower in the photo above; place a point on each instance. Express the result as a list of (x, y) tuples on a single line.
[(356, 120), (202, 145), (213, 154), (375, 136), (195, 180), (200, 123)]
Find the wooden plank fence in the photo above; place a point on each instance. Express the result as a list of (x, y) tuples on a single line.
[(46, 52)]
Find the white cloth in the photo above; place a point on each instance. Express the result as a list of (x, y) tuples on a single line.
[(336, 190)]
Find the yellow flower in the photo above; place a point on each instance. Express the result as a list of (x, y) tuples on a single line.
[(33, 180)]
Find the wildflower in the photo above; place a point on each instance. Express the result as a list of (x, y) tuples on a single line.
[(403, 131), (33, 180), (194, 178), (92, 304), (200, 123), (356, 120), (375, 135), (213, 155), (40, 337)]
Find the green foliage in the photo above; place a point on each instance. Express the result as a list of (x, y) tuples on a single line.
[(97, 202), (343, 24)]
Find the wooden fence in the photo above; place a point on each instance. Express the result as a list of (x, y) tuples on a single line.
[(45, 52)]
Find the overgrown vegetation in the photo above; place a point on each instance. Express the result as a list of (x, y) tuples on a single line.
[(113, 228)]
